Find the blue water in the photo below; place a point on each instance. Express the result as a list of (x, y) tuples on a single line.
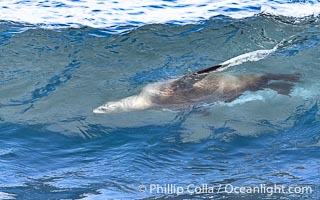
[(52, 146)]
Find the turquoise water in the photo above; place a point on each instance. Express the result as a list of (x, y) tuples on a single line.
[(54, 147)]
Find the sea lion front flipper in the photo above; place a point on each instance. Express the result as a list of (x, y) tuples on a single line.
[(208, 70)]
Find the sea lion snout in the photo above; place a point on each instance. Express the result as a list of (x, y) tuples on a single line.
[(136, 102), (109, 107)]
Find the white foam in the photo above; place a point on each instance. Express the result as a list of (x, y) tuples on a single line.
[(248, 96), (102, 14), (297, 10), (109, 14), (4, 195), (304, 93)]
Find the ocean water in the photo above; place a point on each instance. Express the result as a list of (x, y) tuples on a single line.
[(61, 59)]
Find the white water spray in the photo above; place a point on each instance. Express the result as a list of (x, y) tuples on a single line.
[(247, 57)]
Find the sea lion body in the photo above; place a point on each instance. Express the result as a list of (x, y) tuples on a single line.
[(212, 87), (200, 88)]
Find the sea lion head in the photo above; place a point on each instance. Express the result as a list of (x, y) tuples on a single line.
[(132, 103), (142, 101)]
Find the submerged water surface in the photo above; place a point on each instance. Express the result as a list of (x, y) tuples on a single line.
[(54, 147)]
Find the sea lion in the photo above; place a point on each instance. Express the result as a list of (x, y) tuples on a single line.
[(203, 86)]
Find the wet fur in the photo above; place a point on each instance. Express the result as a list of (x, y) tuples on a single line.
[(198, 87), (221, 87)]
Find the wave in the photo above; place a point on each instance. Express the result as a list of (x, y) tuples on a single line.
[(115, 14)]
